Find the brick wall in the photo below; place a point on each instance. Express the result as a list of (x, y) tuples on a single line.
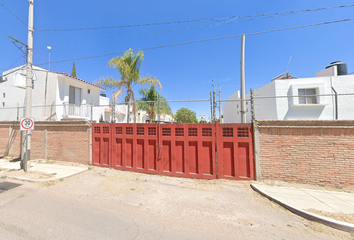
[(10, 139), (315, 152), (62, 141)]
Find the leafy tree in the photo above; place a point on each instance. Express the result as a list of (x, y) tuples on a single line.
[(184, 115), (203, 121), (150, 105), (73, 70), (128, 66)]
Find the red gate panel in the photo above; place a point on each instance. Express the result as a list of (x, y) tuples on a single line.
[(101, 144), (187, 150), (134, 147), (235, 151)]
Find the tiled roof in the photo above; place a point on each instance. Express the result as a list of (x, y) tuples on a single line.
[(65, 74)]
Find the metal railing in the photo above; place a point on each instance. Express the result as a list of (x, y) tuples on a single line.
[(333, 106)]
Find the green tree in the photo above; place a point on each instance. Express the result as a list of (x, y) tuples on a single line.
[(149, 103), (73, 70), (128, 66), (184, 115)]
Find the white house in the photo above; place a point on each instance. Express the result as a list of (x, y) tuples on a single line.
[(329, 96), (121, 114), (55, 96)]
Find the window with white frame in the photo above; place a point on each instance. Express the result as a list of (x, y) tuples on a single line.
[(307, 96)]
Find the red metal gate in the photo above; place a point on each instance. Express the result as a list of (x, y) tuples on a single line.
[(235, 151), (182, 150)]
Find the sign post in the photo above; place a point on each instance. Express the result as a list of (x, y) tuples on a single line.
[(25, 125)]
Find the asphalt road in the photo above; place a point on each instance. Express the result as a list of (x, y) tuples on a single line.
[(109, 204)]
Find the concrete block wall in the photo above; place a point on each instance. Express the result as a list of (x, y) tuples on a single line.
[(312, 152), (62, 141)]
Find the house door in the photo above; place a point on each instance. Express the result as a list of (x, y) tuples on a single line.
[(74, 101)]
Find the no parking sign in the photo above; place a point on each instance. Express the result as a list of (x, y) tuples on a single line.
[(27, 124)]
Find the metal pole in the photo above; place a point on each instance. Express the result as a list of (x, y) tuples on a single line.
[(49, 47), (243, 91), (335, 103), (211, 107), (214, 115), (252, 105), (26, 155), (29, 83), (158, 108), (219, 103), (91, 108), (113, 102)]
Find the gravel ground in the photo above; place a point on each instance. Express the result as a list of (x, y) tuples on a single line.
[(100, 203)]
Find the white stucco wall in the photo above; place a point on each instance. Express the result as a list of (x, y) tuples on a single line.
[(50, 91), (43, 94), (287, 107)]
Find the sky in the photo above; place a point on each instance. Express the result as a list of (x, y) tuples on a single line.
[(185, 71)]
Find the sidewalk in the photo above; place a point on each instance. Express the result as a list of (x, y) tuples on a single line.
[(301, 201), (39, 172)]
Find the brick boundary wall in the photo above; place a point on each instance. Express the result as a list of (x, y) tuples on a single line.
[(312, 152), (62, 141)]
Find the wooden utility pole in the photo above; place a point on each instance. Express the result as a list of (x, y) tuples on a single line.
[(243, 91)]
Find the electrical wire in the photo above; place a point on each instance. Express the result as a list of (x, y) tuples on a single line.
[(194, 20), (13, 14), (165, 31), (205, 40), (23, 55)]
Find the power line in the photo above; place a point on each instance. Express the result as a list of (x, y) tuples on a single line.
[(195, 27), (151, 33), (13, 14), (195, 20), (22, 56), (205, 40)]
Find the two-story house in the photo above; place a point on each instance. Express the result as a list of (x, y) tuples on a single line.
[(55, 96)]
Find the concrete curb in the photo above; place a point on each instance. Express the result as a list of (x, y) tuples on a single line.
[(46, 180), (343, 226)]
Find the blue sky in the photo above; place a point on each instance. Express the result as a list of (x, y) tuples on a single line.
[(185, 71)]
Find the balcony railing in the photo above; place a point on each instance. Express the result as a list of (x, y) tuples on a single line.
[(77, 110)]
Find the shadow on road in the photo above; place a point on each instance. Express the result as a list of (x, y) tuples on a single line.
[(16, 159), (5, 186)]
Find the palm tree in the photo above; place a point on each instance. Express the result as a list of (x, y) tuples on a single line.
[(149, 103), (128, 66)]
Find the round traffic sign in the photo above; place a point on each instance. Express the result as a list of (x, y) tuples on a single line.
[(27, 123)]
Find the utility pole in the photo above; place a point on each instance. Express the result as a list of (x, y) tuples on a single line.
[(29, 81), (243, 91)]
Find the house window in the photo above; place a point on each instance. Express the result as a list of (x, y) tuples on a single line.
[(3, 104), (307, 96), (3, 95)]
